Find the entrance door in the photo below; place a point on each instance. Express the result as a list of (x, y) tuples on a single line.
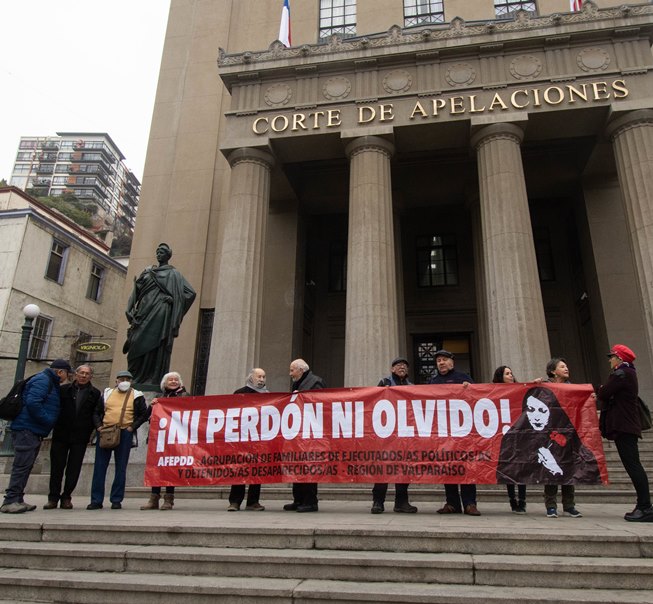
[(426, 345)]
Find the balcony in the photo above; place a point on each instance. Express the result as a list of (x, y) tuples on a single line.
[(45, 169)]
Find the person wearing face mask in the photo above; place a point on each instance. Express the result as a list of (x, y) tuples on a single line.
[(255, 384), (171, 387), (109, 413), (543, 447)]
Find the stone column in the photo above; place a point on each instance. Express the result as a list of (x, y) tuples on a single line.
[(516, 328), (371, 327), (236, 333), (632, 139)]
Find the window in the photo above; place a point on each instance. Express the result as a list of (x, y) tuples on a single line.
[(38, 346), (504, 9), (95, 282), (437, 262), (338, 266), (421, 12), (57, 261), (337, 17)]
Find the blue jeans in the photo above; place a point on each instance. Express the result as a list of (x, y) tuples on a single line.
[(102, 459), (27, 446)]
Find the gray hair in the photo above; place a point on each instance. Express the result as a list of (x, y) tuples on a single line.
[(85, 365), (164, 379), (301, 364)]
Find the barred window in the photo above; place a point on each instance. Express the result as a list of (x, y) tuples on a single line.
[(38, 346), (422, 12), (337, 17), (437, 261), (57, 261), (504, 9), (95, 282)]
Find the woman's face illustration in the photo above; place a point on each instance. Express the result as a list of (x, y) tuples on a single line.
[(537, 412)]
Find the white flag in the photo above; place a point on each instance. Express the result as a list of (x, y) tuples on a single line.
[(284, 28)]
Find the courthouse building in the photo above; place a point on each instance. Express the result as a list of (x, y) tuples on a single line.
[(407, 175)]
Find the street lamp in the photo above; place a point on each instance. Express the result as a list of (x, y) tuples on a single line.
[(31, 311)]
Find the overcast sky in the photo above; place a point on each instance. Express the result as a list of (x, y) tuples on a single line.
[(80, 66)]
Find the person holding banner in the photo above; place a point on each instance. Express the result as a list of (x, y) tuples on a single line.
[(503, 375), (620, 422), (465, 500), (172, 386), (398, 377), (557, 372), (304, 494), (255, 384)]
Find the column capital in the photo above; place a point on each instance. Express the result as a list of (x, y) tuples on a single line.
[(503, 130), (252, 155), (629, 120), (363, 143)]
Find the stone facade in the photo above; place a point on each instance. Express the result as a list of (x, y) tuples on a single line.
[(481, 184)]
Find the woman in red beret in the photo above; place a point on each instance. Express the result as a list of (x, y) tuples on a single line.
[(620, 422)]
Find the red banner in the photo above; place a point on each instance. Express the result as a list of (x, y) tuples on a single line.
[(483, 434)]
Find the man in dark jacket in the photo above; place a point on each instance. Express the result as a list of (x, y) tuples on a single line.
[(71, 435), (34, 422), (304, 494), (466, 499), (255, 384), (398, 377), (621, 423)]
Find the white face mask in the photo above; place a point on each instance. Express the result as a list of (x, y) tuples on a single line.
[(124, 386)]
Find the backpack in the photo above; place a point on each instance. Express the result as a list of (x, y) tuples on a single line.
[(12, 404)]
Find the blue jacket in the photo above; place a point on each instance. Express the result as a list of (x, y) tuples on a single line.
[(40, 404)]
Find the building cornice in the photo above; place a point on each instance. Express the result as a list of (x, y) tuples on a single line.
[(626, 20)]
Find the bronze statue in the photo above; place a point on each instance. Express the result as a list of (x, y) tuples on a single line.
[(156, 307)]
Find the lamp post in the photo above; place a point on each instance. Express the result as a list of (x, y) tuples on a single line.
[(31, 311)]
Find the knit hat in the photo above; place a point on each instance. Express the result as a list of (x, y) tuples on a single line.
[(623, 352)]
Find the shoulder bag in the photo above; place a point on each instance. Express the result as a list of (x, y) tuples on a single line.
[(110, 435)]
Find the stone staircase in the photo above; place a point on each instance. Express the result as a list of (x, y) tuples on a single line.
[(195, 554), (200, 553)]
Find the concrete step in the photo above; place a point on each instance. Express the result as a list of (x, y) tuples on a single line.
[(358, 566), (103, 588), (339, 527), (196, 554)]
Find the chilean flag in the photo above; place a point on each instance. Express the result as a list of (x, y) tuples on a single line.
[(284, 28), (575, 5)]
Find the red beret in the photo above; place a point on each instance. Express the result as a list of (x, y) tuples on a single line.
[(623, 352)]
